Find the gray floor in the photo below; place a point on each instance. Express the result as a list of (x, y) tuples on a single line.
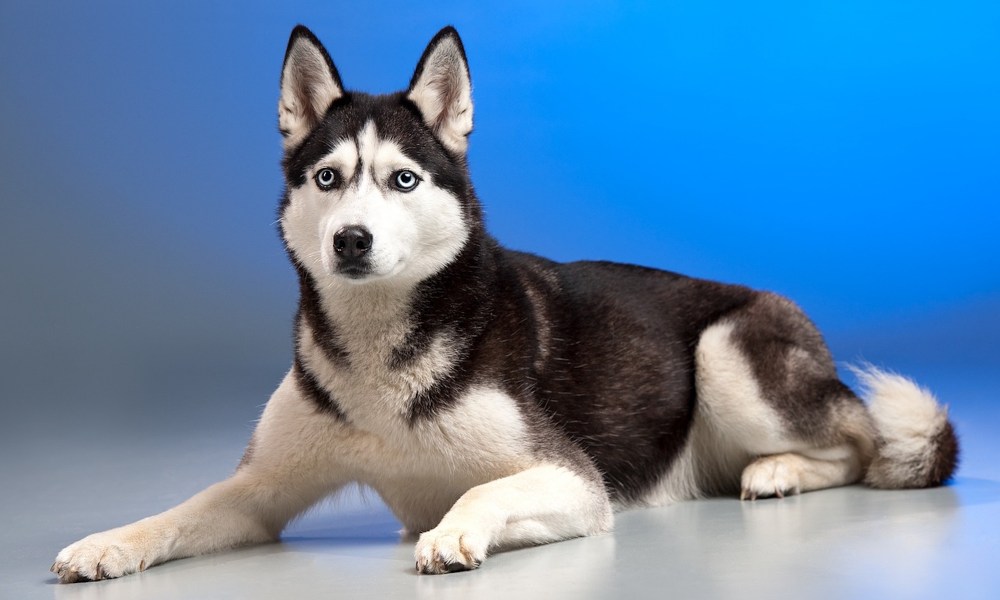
[(66, 478)]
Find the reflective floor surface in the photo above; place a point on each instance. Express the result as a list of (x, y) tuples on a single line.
[(844, 543)]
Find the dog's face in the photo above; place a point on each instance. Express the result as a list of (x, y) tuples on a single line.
[(376, 186)]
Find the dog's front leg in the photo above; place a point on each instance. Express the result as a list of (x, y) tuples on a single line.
[(240, 510), (543, 504), (291, 465)]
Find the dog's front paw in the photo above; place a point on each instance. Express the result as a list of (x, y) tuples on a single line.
[(106, 555), (771, 476), (446, 550)]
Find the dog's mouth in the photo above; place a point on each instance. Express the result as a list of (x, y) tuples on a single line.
[(353, 270), (365, 271)]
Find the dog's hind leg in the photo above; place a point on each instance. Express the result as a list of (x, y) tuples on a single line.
[(542, 504), (797, 472), (283, 477), (772, 415)]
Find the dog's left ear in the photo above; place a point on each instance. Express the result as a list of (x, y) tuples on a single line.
[(442, 90)]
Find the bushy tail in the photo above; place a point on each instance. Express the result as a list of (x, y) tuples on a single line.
[(917, 445)]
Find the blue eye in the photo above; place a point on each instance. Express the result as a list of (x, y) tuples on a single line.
[(326, 179), (405, 180)]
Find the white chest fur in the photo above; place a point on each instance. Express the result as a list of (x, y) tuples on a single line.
[(479, 436)]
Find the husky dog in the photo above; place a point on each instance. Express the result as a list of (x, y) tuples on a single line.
[(494, 398)]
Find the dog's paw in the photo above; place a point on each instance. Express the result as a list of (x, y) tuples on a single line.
[(104, 555), (447, 550), (770, 476)]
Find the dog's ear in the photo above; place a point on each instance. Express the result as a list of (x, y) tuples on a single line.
[(309, 84), (442, 90)]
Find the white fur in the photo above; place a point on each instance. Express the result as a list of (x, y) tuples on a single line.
[(908, 418), (481, 439), (414, 233), (368, 389), (730, 400), (905, 413), (780, 474), (542, 504)]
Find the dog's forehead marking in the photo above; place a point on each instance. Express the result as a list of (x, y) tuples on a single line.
[(367, 144), (363, 158), (367, 147)]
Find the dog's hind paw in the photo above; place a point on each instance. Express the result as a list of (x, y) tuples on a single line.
[(769, 476), (449, 550)]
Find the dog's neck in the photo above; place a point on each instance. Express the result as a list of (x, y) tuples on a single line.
[(394, 320)]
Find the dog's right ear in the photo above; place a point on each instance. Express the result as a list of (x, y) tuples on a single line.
[(442, 90), (309, 84)]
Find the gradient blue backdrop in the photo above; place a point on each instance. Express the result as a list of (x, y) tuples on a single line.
[(846, 153)]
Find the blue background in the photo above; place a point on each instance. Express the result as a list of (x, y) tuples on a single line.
[(845, 153)]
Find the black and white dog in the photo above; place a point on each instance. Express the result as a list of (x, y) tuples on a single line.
[(494, 398)]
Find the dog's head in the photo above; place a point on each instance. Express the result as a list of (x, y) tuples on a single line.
[(377, 187)]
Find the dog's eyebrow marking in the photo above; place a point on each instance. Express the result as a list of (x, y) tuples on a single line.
[(344, 156)]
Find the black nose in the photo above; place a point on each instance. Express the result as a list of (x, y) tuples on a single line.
[(352, 242)]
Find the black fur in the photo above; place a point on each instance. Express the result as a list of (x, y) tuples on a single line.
[(312, 313), (792, 365), (312, 389), (622, 390), (947, 456)]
